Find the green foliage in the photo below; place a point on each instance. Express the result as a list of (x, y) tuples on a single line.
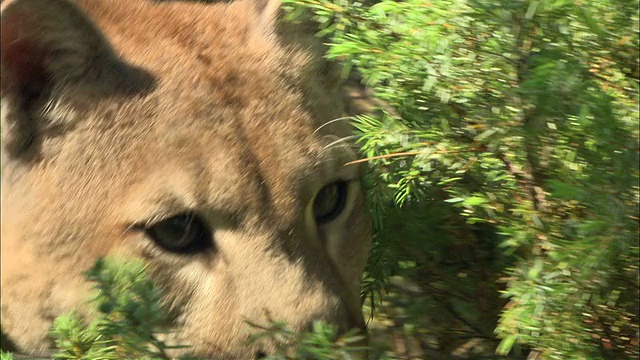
[(522, 116), (6, 356), (129, 317), (322, 342)]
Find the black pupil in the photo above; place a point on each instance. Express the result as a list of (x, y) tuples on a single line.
[(330, 202), (184, 233)]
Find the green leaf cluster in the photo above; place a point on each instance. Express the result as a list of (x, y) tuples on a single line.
[(128, 320), (321, 342), (521, 117)]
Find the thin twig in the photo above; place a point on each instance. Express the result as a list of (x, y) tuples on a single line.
[(407, 153)]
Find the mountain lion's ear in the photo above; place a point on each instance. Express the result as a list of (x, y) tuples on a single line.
[(49, 48)]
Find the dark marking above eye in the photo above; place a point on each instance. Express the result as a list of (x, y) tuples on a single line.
[(184, 233), (205, 59)]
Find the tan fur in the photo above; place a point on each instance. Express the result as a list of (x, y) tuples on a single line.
[(175, 107)]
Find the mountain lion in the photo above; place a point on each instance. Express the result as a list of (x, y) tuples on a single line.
[(198, 137)]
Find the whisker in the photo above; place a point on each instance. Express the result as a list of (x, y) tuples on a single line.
[(346, 138), (331, 122)]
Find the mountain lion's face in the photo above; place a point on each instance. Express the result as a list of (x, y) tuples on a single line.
[(189, 136)]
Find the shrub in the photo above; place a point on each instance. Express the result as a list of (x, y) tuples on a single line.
[(522, 116)]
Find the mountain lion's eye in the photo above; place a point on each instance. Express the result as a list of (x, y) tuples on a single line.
[(330, 201), (184, 233)]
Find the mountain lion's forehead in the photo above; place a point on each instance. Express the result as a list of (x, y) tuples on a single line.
[(219, 68), (232, 180), (218, 144), (193, 35)]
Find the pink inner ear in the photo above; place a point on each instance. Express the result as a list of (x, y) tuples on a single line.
[(22, 58)]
